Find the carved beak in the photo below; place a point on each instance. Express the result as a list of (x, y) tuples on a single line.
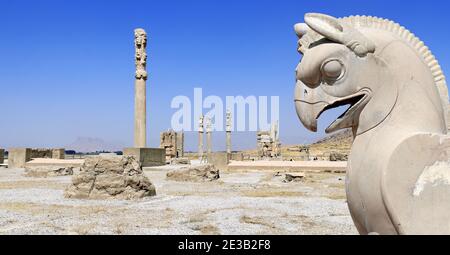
[(310, 103)]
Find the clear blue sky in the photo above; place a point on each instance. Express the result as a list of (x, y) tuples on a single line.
[(66, 67)]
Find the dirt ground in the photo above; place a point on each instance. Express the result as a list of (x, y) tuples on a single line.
[(246, 202)]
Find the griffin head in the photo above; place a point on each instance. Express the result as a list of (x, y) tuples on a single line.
[(338, 68)]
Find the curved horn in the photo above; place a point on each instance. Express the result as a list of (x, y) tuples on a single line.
[(333, 29), (325, 25)]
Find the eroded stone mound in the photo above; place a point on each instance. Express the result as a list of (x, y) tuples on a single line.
[(48, 171), (200, 173), (119, 177)]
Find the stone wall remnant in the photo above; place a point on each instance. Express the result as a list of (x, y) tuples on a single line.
[(147, 157)]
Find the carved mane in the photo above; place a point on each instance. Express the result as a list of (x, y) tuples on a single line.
[(404, 34)]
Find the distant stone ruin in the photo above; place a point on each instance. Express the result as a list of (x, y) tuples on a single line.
[(119, 177), (173, 143), (269, 146)]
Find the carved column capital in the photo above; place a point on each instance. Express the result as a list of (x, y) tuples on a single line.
[(140, 44), (201, 124), (229, 122)]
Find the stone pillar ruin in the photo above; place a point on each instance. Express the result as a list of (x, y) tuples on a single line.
[(173, 143), (180, 144), (140, 96), (268, 143), (275, 135), (228, 131), (146, 156), (168, 142), (208, 135), (200, 137)]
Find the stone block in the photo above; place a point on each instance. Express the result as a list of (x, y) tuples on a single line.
[(58, 153), (147, 156), (17, 157), (219, 159)]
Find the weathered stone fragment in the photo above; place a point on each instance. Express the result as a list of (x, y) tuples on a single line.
[(336, 156), (200, 173), (180, 161), (294, 178), (119, 177), (48, 171)]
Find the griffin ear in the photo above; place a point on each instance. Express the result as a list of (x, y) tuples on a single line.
[(325, 25)]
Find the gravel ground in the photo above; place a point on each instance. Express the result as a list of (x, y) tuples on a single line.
[(248, 202)]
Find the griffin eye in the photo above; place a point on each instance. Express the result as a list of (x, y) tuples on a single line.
[(332, 69)]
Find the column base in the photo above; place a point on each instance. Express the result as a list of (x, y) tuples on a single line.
[(147, 156)]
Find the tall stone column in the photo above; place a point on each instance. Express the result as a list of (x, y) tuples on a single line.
[(140, 94), (208, 135), (228, 131), (146, 156), (200, 138)]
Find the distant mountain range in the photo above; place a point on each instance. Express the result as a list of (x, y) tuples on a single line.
[(90, 144)]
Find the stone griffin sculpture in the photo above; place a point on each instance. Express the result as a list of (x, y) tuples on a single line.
[(398, 177)]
